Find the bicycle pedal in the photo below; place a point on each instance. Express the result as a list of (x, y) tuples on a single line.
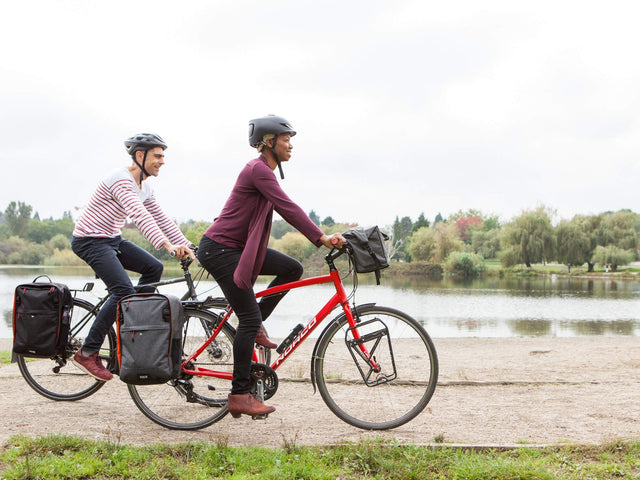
[(259, 417)]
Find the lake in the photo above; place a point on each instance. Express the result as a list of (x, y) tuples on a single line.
[(544, 306)]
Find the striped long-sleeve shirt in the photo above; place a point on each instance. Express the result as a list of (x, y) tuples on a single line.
[(118, 198)]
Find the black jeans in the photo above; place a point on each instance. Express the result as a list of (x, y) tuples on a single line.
[(109, 257), (221, 262)]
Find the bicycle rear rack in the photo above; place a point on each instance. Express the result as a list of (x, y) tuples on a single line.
[(376, 347)]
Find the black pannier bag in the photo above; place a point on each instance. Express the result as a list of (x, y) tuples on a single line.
[(149, 327), (369, 250), (41, 318)]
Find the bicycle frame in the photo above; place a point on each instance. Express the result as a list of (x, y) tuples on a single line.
[(339, 298)]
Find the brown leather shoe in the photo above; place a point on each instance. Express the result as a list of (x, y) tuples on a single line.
[(247, 404), (262, 339)]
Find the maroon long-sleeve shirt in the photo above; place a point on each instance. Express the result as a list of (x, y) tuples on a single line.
[(245, 220)]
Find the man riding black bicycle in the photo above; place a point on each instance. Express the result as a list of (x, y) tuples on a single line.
[(97, 239)]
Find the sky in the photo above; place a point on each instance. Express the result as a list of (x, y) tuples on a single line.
[(401, 107)]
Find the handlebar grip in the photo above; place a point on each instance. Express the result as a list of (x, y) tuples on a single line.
[(172, 253), (334, 241)]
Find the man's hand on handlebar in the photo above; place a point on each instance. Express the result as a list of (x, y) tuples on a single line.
[(333, 241)]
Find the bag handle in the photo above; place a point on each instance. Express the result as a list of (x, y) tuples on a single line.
[(41, 276)]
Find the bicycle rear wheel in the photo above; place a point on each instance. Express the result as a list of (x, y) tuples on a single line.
[(359, 394), (57, 378), (192, 402)]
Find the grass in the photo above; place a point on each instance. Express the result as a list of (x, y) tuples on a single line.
[(5, 357), (65, 457)]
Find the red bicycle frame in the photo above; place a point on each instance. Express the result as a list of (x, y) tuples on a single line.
[(339, 298)]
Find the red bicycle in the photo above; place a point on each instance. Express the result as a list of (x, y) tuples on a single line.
[(376, 367)]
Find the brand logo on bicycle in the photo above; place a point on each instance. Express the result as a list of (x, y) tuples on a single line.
[(296, 341)]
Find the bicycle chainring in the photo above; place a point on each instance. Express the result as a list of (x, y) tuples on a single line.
[(260, 371)]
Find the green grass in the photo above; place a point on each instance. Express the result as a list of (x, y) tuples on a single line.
[(5, 357), (64, 457)]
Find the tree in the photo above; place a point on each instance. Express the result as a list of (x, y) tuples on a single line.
[(329, 221), (434, 244), (486, 243), (529, 238), (574, 244), (438, 219), (612, 255), (18, 216), (421, 222), (314, 217), (620, 230), (279, 228), (464, 225), (400, 231)]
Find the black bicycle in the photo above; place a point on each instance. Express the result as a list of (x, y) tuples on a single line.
[(58, 379)]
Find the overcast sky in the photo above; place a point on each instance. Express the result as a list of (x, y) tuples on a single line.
[(401, 106)]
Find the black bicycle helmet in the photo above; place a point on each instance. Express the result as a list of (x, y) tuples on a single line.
[(271, 124), (143, 142)]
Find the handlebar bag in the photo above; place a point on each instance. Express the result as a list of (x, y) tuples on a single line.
[(368, 250), (149, 331), (41, 318)]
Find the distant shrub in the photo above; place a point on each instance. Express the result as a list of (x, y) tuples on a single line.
[(464, 265), (60, 241), (63, 258)]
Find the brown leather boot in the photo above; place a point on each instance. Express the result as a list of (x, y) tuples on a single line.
[(262, 339), (247, 404)]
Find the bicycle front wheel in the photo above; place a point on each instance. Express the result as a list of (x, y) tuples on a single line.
[(57, 378), (387, 389), (192, 402)]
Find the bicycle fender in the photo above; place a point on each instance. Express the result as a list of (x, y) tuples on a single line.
[(355, 311)]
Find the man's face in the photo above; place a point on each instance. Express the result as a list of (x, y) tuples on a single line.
[(283, 147), (155, 159)]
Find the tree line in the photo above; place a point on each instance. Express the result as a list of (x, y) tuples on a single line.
[(466, 237), (605, 239)]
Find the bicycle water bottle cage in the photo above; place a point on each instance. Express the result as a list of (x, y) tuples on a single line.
[(378, 366)]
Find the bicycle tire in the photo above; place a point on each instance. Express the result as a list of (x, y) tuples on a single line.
[(57, 378), (192, 402), (403, 391)]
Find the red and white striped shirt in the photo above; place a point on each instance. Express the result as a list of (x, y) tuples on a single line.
[(119, 197)]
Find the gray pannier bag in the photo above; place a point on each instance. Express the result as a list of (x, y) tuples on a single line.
[(368, 250), (149, 327)]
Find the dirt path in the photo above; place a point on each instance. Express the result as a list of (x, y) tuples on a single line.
[(491, 392)]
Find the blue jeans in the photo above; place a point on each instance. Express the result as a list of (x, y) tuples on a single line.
[(221, 262), (109, 257)]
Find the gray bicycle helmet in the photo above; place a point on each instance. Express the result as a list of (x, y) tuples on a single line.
[(259, 127), (143, 142)]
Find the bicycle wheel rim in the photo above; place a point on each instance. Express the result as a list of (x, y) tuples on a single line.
[(192, 402), (407, 387), (57, 378)]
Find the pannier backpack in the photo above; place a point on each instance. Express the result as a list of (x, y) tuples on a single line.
[(41, 318), (149, 327), (369, 250)]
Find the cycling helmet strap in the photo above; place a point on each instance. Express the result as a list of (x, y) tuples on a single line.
[(142, 170), (275, 139)]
